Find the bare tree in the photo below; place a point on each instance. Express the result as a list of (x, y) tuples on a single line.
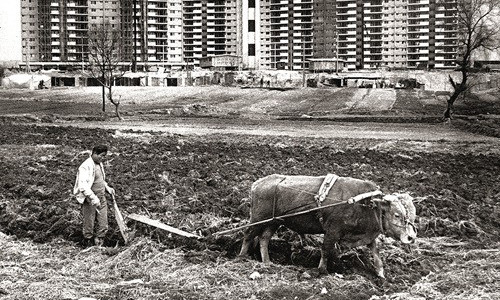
[(105, 56), (476, 20)]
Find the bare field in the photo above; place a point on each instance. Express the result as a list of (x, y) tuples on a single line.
[(194, 172), (253, 102)]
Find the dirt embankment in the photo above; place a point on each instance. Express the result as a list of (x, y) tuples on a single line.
[(477, 113)]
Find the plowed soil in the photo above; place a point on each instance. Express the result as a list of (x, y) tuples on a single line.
[(198, 180)]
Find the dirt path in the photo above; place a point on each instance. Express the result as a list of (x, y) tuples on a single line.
[(314, 129)]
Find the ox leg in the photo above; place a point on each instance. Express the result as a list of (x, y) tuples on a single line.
[(328, 251), (377, 261), (322, 262), (250, 235), (264, 239)]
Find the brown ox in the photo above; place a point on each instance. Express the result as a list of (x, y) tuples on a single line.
[(345, 224)]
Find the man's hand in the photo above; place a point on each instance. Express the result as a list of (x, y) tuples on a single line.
[(95, 202), (111, 191)]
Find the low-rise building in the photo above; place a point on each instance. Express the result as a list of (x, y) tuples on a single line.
[(223, 62)]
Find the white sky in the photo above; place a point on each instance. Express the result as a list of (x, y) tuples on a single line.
[(10, 30)]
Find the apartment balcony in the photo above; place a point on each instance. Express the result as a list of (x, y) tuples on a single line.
[(298, 15), (304, 22), (420, 23), (418, 30), (374, 27), (304, 10), (346, 13), (195, 12), (447, 17), (423, 37), (192, 42), (418, 2), (446, 50), (372, 51), (282, 2), (347, 47), (350, 4), (374, 4), (372, 18), (194, 25), (283, 28)]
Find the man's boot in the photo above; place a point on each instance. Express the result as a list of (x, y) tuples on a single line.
[(98, 242), (87, 243)]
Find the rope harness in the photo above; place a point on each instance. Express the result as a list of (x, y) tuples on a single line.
[(275, 197), (324, 189), (322, 194)]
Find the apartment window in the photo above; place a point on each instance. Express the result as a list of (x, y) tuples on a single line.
[(251, 25), (251, 3), (251, 49)]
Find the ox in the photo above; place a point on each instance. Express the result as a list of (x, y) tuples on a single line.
[(342, 222)]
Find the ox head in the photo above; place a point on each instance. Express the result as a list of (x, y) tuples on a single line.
[(398, 217)]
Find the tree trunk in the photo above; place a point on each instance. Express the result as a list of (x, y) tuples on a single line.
[(115, 103), (449, 108), (103, 94), (117, 111), (458, 89)]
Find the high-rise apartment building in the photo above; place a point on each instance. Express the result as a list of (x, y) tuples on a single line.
[(324, 29), (152, 31), (286, 34), (57, 30), (420, 33), (265, 34), (395, 34), (209, 28)]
